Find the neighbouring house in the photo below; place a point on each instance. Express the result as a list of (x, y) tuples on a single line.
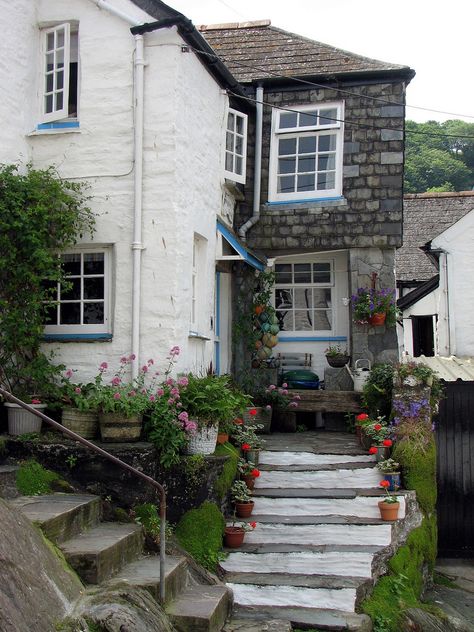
[(136, 113), (323, 198), (434, 270)]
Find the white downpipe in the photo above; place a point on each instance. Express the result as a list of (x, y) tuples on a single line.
[(102, 4), (450, 334), (450, 301), (257, 180), (137, 245)]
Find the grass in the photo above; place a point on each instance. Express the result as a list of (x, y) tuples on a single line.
[(229, 471), (200, 532)]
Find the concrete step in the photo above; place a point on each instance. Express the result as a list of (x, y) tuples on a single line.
[(300, 459), (200, 609), (317, 619), (8, 487), (368, 477), (101, 552), (293, 492), (145, 573), (309, 508), (61, 516), (270, 547), (269, 625)]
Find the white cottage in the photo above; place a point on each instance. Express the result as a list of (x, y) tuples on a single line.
[(113, 93)]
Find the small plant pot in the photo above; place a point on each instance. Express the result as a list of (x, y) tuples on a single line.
[(366, 440), (377, 319), (394, 479), (222, 437), (388, 511), (253, 455), (358, 432), (339, 361), (249, 481), (21, 421), (383, 453), (233, 537), (244, 510)]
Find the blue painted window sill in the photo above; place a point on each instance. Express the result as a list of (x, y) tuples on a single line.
[(77, 337)]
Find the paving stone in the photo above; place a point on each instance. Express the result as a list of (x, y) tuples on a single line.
[(200, 609), (244, 625)]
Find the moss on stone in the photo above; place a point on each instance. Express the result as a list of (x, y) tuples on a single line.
[(229, 471), (33, 479), (200, 532), (60, 555), (419, 472)]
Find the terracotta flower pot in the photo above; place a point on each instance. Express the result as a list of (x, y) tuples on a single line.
[(233, 537), (244, 510), (377, 319), (222, 437), (249, 480), (388, 511)]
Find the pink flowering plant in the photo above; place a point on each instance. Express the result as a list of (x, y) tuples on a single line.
[(77, 394), (279, 398)]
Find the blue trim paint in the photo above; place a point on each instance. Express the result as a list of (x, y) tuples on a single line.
[(313, 339), (295, 202), (243, 252), (217, 344), (58, 125), (75, 337)]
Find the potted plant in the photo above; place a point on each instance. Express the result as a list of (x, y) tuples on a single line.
[(242, 500), (336, 356), (374, 307), (389, 506), (248, 472), (234, 534), (79, 412), (361, 421), (283, 403), (248, 440), (378, 433), (391, 473)]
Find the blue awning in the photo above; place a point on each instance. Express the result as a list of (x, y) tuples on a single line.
[(240, 248)]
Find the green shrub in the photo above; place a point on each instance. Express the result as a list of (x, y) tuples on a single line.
[(33, 479), (377, 393), (200, 532), (229, 471)]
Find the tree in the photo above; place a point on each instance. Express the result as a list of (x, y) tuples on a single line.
[(441, 157)]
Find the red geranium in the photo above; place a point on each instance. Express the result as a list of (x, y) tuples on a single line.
[(245, 447), (255, 473), (362, 417), (373, 450), (377, 427), (252, 412), (387, 443), (253, 524), (384, 484)]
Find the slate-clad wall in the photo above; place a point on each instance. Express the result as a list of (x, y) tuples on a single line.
[(370, 213)]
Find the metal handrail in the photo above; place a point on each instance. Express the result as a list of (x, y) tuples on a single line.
[(118, 462)]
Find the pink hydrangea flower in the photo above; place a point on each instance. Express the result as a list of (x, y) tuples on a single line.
[(296, 396), (69, 373), (169, 381), (132, 393), (190, 426), (103, 367), (272, 387), (175, 391), (179, 405), (293, 404), (35, 400), (285, 385), (116, 395), (77, 390), (183, 381), (160, 392), (183, 416), (152, 398), (116, 381), (170, 401), (143, 391), (284, 392)]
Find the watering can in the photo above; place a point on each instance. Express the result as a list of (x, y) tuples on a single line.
[(360, 374)]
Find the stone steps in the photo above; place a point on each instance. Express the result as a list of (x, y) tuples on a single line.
[(290, 460), (199, 609), (368, 477)]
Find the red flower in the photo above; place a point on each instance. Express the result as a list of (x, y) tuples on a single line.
[(387, 443), (245, 447), (255, 473), (253, 524), (362, 417), (36, 401), (384, 484), (238, 422), (377, 427), (373, 450), (253, 412)]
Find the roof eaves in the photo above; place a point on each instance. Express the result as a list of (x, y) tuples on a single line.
[(418, 293)]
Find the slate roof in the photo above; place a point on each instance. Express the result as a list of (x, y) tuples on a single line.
[(275, 51), (425, 216)]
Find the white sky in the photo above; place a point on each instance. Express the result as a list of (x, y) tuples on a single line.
[(434, 37)]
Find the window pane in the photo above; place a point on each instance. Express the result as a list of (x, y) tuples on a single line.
[(322, 320), (50, 41), (70, 314), (71, 291), (330, 113), (283, 273), (306, 164), (303, 298), (59, 100), (49, 82), (49, 103), (326, 162), (238, 168), (229, 159), (239, 145), (239, 125), (326, 180), (306, 182), (322, 297), (308, 119), (287, 146), (71, 264), (307, 145), (285, 320), (60, 38), (327, 142), (93, 313), (231, 121), (50, 315), (60, 80), (229, 141), (286, 184), (60, 58), (302, 273), (322, 272), (49, 62), (94, 263), (288, 119), (283, 298), (94, 287), (303, 320), (286, 165)]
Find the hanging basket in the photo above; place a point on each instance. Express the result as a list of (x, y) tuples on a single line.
[(203, 441)]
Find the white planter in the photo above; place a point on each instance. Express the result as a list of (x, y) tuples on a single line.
[(21, 421), (203, 441)]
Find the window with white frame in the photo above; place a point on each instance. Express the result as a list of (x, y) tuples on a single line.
[(306, 152), (236, 146), (82, 304), (303, 296), (59, 91)]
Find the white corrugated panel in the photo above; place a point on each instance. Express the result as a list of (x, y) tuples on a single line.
[(449, 369)]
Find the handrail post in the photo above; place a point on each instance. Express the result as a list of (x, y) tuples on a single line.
[(120, 463)]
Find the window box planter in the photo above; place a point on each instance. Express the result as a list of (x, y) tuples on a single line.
[(115, 427), (83, 422)]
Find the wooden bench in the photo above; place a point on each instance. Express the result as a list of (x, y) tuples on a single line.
[(328, 401)]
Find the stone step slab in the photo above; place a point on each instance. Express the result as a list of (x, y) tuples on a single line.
[(145, 573), (342, 599), (292, 459), (8, 487), (61, 516), (359, 507), (200, 609), (352, 564), (325, 479), (321, 534), (245, 625), (101, 552)]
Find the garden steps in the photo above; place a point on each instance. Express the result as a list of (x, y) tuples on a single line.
[(320, 619), (200, 609)]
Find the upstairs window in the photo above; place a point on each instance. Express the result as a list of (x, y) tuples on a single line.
[(60, 73), (236, 146), (306, 153)]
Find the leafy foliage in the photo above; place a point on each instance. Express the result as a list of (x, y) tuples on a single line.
[(229, 471), (377, 394), (33, 479), (200, 532)]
